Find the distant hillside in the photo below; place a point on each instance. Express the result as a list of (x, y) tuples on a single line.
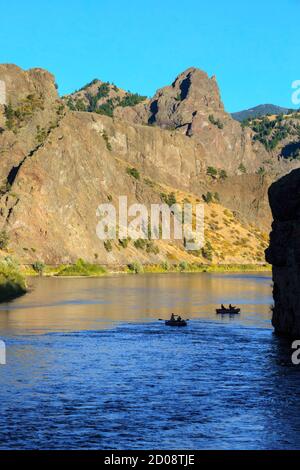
[(280, 134), (258, 111)]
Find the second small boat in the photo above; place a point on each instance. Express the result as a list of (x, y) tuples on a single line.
[(228, 311)]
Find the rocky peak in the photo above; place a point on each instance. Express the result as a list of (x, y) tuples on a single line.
[(195, 85), (192, 106), (176, 105), (19, 84)]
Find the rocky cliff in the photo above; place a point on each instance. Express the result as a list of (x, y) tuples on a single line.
[(192, 105), (59, 164), (284, 253)]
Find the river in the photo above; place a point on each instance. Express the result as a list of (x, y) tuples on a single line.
[(89, 366)]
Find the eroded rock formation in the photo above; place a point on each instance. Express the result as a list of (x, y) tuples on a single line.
[(192, 105), (284, 253), (58, 165)]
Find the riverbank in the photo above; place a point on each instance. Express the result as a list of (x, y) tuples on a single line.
[(83, 269), (12, 281)]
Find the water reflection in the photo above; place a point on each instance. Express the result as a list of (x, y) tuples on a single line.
[(89, 366), (84, 304)]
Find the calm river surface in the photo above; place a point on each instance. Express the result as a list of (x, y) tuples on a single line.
[(90, 367)]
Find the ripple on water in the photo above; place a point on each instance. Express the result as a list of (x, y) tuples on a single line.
[(122, 380)]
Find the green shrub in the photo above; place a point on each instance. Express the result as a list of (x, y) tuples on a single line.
[(261, 170), (222, 174), (106, 140), (140, 243), (212, 171), (169, 199), (41, 134), (149, 182), (165, 265), (133, 172), (132, 99), (108, 245), (215, 122), (183, 266), (81, 268), (103, 90), (9, 114), (136, 267), (76, 104), (106, 108), (4, 239), (124, 242), (242, 168), (15, 117), (207, 251), (152, 248), (38, 267), (208, 197)]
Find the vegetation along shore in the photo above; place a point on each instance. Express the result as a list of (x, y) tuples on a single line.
[(83, 268)]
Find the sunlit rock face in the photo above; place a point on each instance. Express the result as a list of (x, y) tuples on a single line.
[(58, 165), (284, 253), (192, 106)]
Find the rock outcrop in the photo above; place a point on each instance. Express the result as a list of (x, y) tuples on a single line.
[(58, 165), (284, 253), (32, 109), (192, 105)]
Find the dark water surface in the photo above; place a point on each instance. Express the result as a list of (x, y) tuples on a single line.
[(90, 367)]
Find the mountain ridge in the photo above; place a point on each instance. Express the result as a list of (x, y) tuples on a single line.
[(259, 111), (59, 164)]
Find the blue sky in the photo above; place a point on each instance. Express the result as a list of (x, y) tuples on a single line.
[(252, 47)]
